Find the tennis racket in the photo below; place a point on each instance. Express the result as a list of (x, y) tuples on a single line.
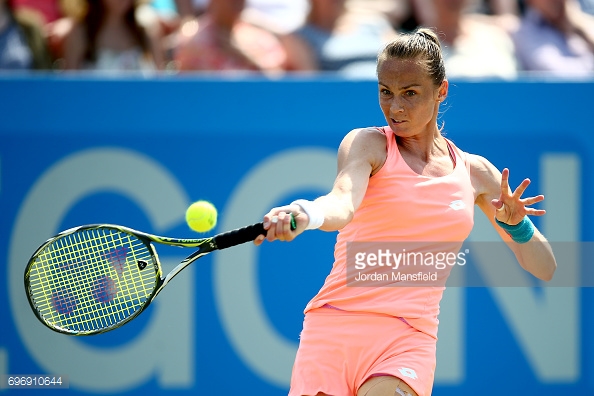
[(95, 278)]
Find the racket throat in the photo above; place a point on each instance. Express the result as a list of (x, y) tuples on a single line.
[(179, 268)]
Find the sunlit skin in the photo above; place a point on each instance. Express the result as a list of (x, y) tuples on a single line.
[(409, 100), (408, 97), (117, 31)]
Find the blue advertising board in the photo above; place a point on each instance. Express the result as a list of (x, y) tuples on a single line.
[(137, 152)]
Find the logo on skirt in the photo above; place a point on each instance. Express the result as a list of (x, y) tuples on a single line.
[(408, 372)]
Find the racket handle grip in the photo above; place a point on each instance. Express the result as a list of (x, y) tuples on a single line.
[(239, 236), (243, 235)]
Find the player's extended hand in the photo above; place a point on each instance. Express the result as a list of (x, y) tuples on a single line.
[(511, 207), (277, 223)]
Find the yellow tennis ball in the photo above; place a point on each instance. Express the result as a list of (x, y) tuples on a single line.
[(201, 216)]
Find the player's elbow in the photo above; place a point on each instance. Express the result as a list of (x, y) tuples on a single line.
[(537, 257), (546, 271), (347, 215), (548, 276)]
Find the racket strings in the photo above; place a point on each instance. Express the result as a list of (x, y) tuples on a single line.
[(89, 280)]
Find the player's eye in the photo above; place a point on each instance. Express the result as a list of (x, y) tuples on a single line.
[(410, 93), (385, 92)]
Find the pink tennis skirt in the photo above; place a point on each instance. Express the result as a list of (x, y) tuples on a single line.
[(339, 350)]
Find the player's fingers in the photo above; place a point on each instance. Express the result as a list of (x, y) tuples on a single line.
[(532, 200), (282, 225), (284, 219), (277, 224), (498, 204), (268, 217), (501, 211), (535, 212), (505, 181), (259, 240), (269, 223), (273, 228), (521, 188), (266, 221)]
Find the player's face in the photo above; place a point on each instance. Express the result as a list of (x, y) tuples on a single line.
[(408, 97)]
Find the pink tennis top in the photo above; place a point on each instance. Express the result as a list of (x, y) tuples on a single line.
[(412, 213)]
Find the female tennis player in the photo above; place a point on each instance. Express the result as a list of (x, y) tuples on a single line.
[(402, 182)]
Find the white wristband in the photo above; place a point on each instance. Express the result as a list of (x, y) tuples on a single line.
[(313, 211)]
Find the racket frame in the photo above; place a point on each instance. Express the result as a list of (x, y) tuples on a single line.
[(204, 245)]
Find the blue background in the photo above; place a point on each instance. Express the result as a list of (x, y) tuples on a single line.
[(173, 140)]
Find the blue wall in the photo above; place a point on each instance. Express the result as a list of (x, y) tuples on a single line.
[(136, 152)]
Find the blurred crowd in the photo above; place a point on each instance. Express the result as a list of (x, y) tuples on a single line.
[(482, 38)]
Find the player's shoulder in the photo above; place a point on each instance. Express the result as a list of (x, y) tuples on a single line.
[(364, 144), (370, 140), (484, 176), (479, 164), (366, 136)]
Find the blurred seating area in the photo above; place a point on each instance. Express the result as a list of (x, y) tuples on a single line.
[(482, 38)]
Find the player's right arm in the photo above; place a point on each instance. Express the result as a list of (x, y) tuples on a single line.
[(361, 154)]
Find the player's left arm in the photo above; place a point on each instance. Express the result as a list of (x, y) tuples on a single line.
[(496, 199)]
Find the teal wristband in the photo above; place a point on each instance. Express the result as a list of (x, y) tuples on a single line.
[(521, 232)]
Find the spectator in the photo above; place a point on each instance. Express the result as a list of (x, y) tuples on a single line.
[(279, 16), (220, 40), (167, 13), (113, 35), (557, 37), (337, 39), (190, 8), (503, 12), (395, 11), (476, 45), (48, 10), (495, 7), (22, 42)]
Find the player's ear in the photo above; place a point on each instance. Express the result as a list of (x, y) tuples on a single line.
[(442, 91)]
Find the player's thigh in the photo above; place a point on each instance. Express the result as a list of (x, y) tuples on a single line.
[(385, 386)]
